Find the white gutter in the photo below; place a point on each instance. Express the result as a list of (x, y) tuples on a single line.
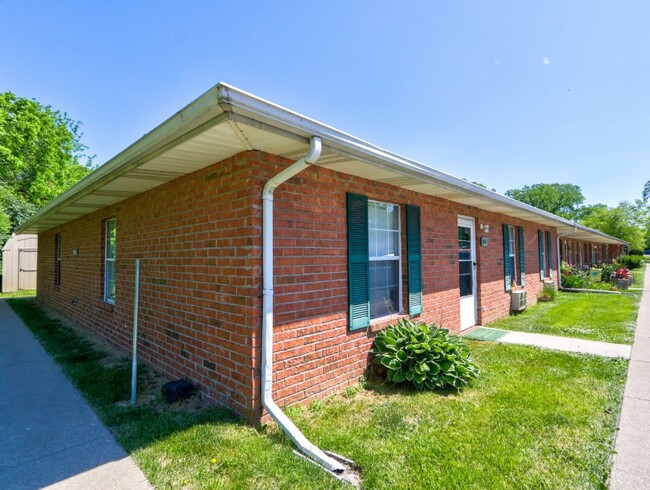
[(256, 109), (267, 312)]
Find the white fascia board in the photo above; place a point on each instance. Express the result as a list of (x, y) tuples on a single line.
[(255, 108)]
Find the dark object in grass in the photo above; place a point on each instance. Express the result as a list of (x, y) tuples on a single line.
[(177, 390)]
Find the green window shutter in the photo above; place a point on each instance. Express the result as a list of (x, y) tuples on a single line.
[(358, 262), (522, 255), (549, 255), (541, 250), (507, 275), (414, 262)]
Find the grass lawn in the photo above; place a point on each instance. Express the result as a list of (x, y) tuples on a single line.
[(18, 294), (535, 419), (639, 279), (604, 317)]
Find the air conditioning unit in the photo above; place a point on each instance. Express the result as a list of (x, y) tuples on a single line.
[(517, 301)]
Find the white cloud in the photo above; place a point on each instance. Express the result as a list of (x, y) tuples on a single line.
[(546, 61)]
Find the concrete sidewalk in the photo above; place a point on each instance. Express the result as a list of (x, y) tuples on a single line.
[(49, 436), (566, 344), (632, 449)]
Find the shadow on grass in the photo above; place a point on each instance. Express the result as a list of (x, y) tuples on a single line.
[(104, 384)]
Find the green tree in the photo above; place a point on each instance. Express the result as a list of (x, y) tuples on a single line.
[(646, 191), (561, 199), (41, 155), (627, 221)]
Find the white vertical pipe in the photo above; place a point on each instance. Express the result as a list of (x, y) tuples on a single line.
[(272, 408), (134, 361)]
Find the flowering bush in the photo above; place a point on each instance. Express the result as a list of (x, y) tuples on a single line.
[(622, 273)]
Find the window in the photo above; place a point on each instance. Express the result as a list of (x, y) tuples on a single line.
[(549, 255), (542, 254), (374, 260), (514, 265), (512, 247), (109, 260), (57, 259), (384, 255)]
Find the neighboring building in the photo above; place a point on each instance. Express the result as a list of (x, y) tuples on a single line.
[(362, 237), (584, 251), (19, 263)]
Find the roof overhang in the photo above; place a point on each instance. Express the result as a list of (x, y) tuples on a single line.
[(225, 121)]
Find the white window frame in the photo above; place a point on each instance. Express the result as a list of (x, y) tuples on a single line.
[(108, 259), (512, 252), (397, 258)]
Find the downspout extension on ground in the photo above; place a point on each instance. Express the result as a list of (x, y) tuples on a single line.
[(306, 447)]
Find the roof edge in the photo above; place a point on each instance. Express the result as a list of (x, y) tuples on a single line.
[(253, 107), (228, 101)]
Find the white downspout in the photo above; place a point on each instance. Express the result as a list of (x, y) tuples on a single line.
[(267, 312)]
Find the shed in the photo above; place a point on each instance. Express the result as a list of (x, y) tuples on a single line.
[(19, 263)]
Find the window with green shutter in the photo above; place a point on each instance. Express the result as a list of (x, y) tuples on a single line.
[(374, 260), (549, 255), (358, 263), (507, 274), (514, 256), (542, 254), (522, 256), (414, 261)]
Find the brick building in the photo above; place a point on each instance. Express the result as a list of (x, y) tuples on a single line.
[(361, 237)]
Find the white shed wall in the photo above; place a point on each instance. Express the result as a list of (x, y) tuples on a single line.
[(19, 263)]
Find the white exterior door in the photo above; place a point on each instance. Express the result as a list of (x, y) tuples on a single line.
[(467, 272)]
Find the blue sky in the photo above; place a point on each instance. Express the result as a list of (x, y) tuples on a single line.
[(505, 93)]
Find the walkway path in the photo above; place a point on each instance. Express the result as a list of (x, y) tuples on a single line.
[(566, 344), (632, 457), (49, 436)]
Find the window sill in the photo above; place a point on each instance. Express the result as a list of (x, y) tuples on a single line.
[(385, 321), (106, 306)]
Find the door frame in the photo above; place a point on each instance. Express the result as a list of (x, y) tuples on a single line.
[(470, 222)]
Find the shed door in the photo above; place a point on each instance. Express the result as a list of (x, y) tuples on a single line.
[(27, 268)]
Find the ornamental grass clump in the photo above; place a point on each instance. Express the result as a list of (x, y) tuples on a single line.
[(425, 356)]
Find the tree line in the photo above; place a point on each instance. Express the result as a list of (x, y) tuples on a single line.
[(41, 155), (629, 221)]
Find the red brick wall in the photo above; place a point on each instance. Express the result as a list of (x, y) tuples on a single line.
[(315, 354), (200, 240), (197, 293)]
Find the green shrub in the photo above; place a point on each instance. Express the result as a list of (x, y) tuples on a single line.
[(635, 251), (630, 261), (427, 357), (547, 294), (574, 281), (565, 268), (601, 286), (608, 270)]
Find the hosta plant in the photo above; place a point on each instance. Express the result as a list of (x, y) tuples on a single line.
[(426, 356)]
